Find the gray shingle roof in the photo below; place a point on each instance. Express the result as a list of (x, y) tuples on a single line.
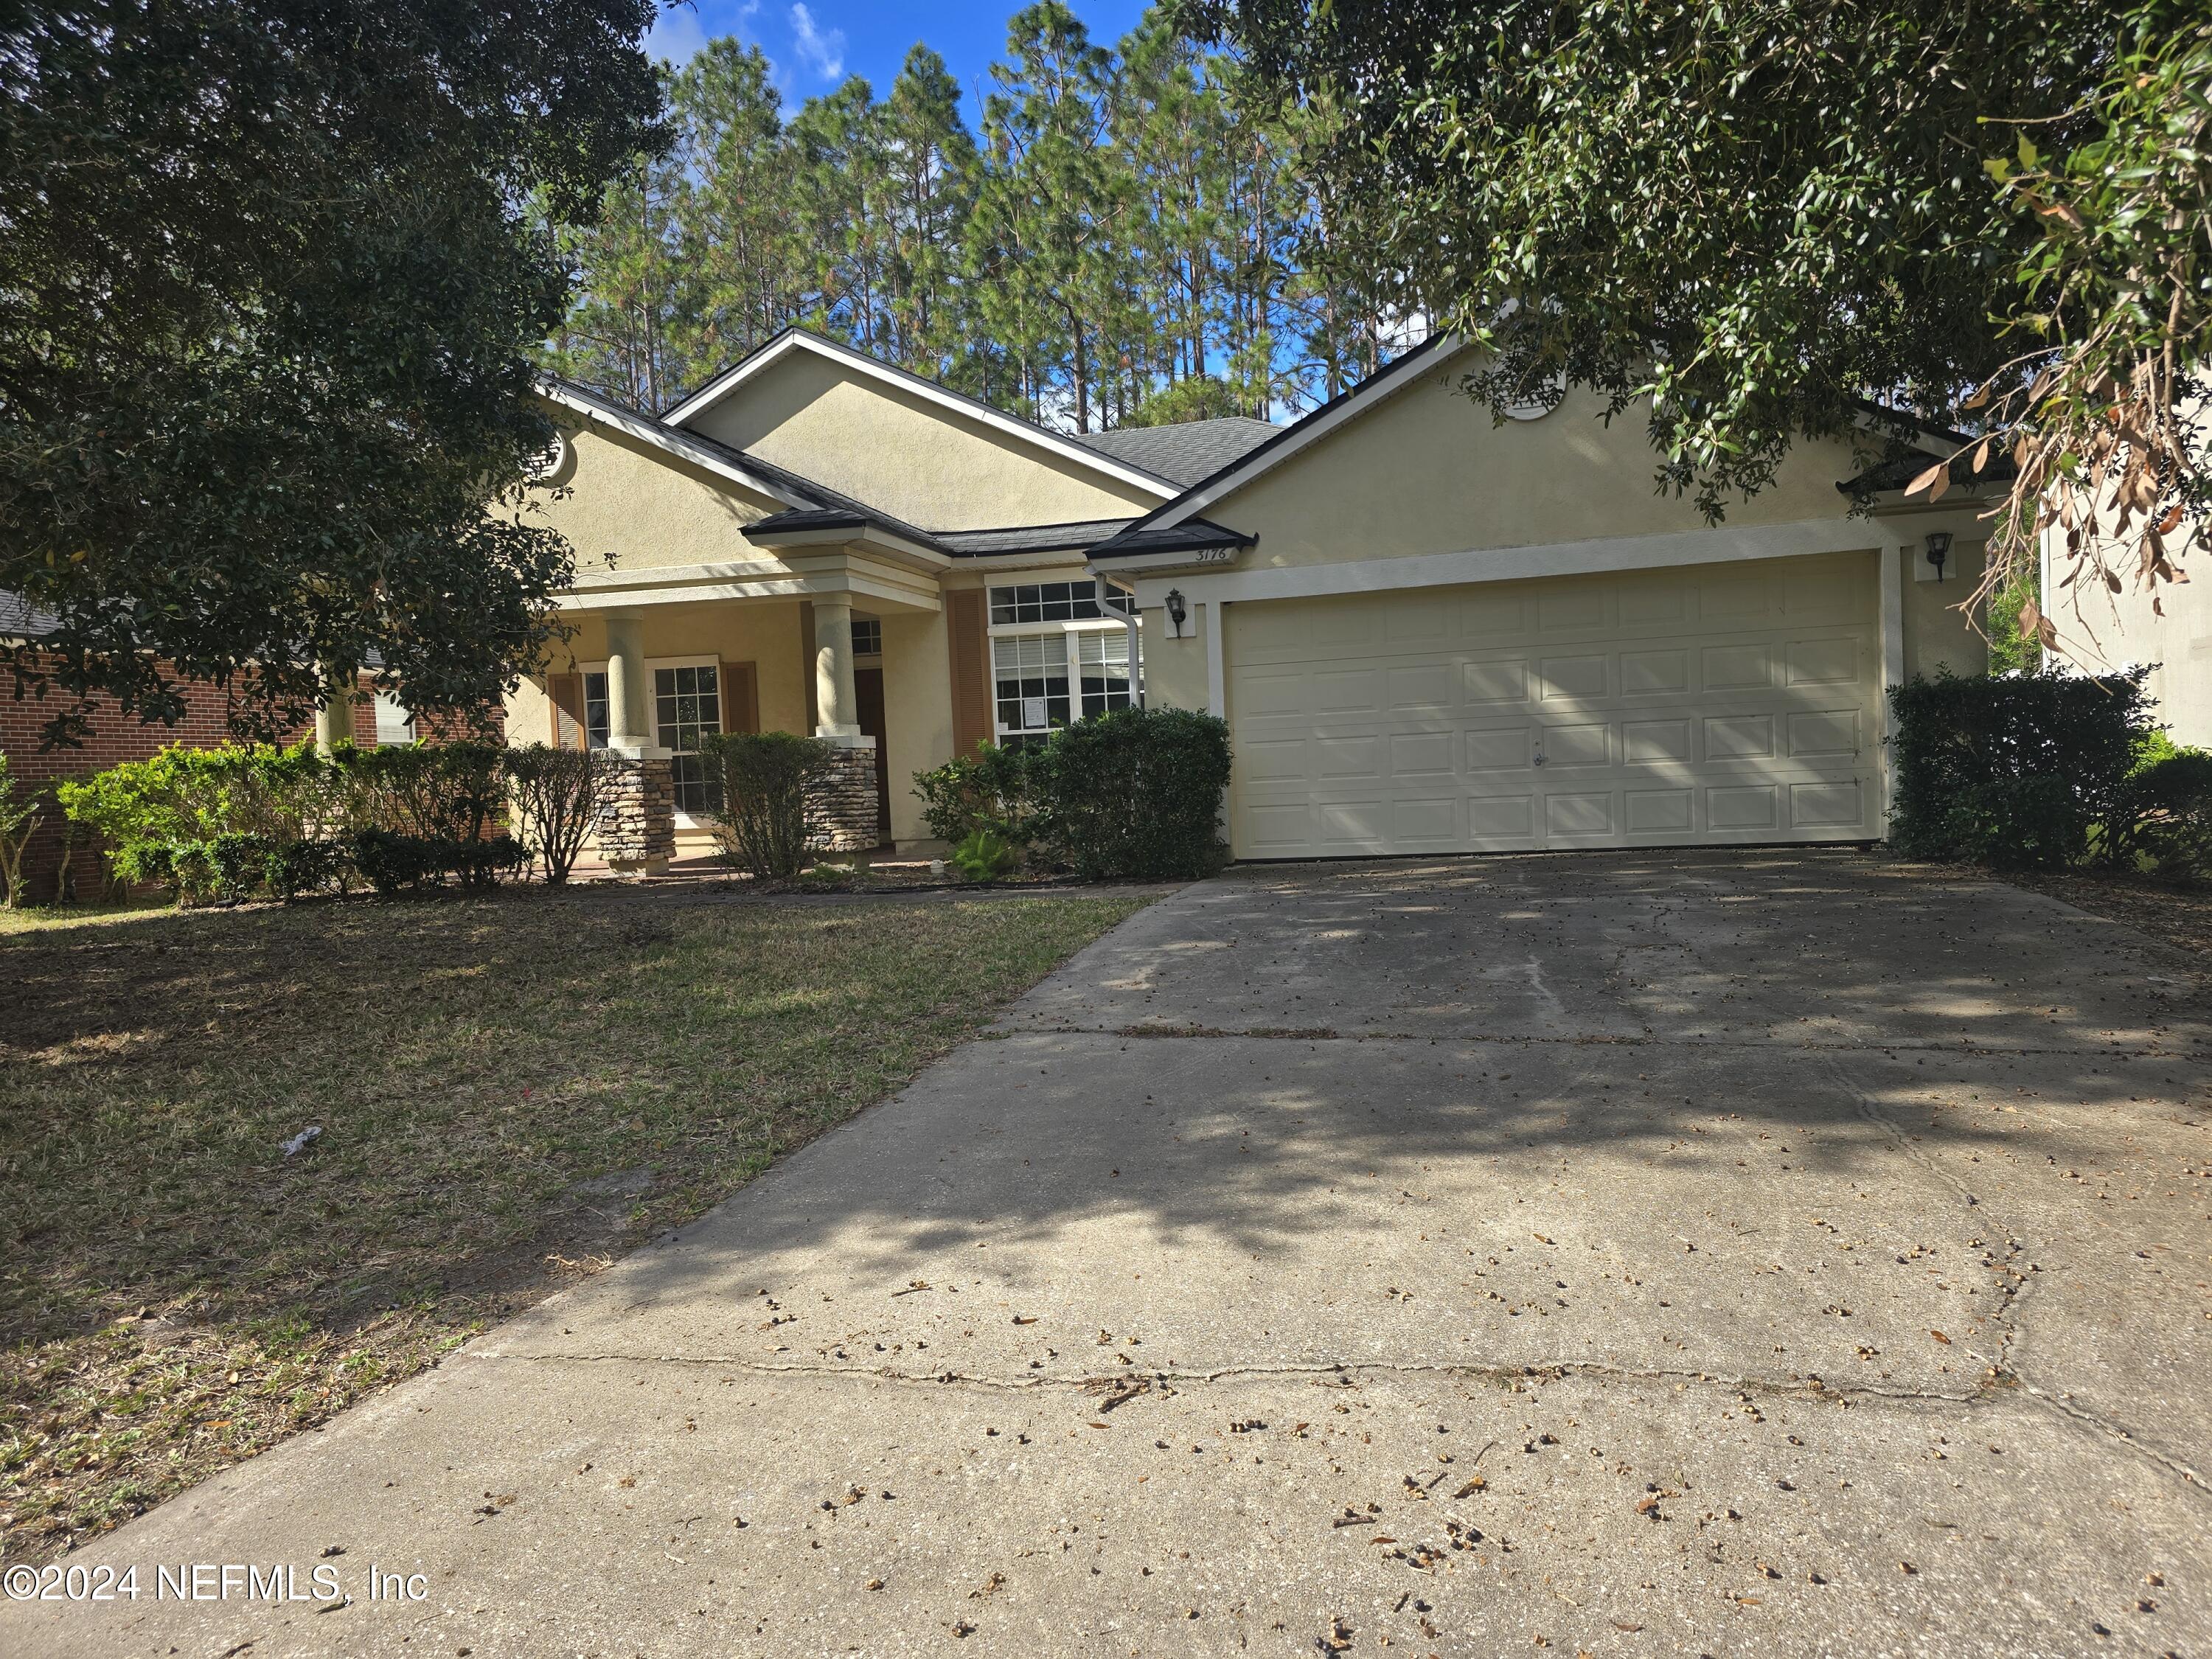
[(1185, 453), (21, 620), (1032, 538), (1187, 537)]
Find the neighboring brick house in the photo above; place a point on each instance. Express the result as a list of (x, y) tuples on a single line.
[(116, 736)]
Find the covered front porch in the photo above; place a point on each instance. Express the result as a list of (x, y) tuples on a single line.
[(827, 638)]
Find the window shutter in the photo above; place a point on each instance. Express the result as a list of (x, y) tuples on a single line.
[(565, 694), (740, 696), (968, 641)]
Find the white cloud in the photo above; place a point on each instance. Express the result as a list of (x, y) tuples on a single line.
[(677, 36), (823, 50), (684, 26)]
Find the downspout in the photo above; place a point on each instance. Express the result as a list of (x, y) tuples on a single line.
[(1129, 623)]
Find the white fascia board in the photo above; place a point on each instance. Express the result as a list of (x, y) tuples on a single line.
[(1134, 566), (661, 575), (829, 570), (858, 584), (674, 443), (1051, 559), (858, 572), (1378, 389), (679, 592), (1720, 545), (1939, 440), (969, 408)]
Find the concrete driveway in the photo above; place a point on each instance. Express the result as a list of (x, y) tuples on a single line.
[(1774, 1252)]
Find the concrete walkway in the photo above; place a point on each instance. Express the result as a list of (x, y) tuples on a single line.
[(1775, 1252)]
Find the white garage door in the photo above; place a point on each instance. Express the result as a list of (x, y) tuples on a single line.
[(1698, 704)]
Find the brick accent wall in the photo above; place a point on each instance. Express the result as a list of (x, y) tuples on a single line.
[(117, 738), (843, 807)]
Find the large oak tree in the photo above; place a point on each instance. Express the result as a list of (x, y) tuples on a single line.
[(1750, 217), (271, 272)]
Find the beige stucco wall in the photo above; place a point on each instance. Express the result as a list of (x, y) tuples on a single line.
[(1937, 634), (2117, 630), (911, 457), (1175, 669), (917, 712), (615, 495), (765, 634), (1428, 471)]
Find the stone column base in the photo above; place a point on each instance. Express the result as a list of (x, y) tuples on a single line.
[(840, 807), (636, 825)]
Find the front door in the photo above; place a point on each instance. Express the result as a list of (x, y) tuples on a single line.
[(868, 692)]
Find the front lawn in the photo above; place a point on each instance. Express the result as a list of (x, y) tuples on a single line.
[(511, 1091)]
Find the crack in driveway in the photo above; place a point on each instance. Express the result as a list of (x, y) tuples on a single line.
[(1991, 1392)]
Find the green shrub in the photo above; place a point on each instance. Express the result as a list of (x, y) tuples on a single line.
[(1138, 792), (244, 822), (2164, 826), (985, 855), (761, 779), (556, 801), (1004, 791), (218, 824), (2014, 772), (394, 862)]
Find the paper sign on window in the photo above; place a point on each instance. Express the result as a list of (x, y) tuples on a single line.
[(1033, 713)]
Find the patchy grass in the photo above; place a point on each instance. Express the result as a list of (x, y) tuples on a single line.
[(511, 1091), (34, 918)]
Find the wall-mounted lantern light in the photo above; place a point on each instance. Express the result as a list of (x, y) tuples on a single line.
[(1177, 609), (1939, 549)]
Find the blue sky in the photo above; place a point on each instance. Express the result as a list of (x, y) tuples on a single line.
[(816, 44)]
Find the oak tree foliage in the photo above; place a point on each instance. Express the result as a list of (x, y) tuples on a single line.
[(272, 273)]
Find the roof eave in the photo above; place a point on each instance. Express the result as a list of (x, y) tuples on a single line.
[(685, 445)]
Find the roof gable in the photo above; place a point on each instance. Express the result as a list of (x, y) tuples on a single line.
[(1283, 442), (760, 404)]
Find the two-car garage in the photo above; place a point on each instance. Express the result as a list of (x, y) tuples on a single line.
[(1717, 702)]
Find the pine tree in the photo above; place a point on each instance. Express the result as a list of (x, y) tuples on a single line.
[(931, 161), (1135, 239), (732, 208), (617, 337), (1046, 208)]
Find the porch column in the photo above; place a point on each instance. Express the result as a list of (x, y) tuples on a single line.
[(636, 828), (334, 713), (837, 706), (628, 728)]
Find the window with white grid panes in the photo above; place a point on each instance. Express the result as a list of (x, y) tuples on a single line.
[(687, 706), (1060, 650)]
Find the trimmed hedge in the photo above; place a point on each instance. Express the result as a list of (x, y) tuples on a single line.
[(1134, 793), (244, 822), (758, 788), (2013, 772), (1138, 792), (2045, 771)]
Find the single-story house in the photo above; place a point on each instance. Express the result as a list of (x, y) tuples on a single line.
[(1429, 632)]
